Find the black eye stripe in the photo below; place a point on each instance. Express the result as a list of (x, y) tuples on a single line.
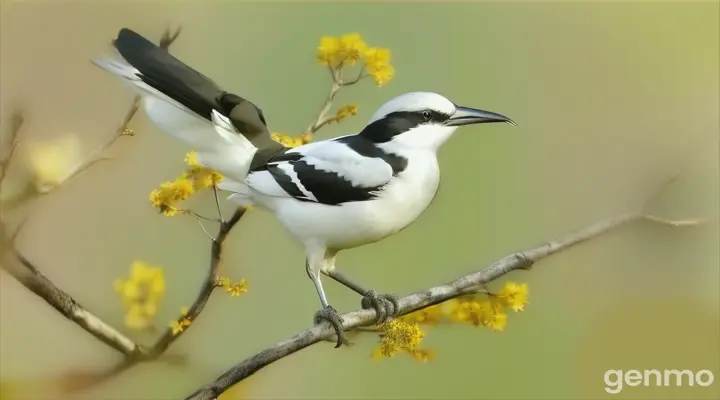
[(398, 122), (435, 116)]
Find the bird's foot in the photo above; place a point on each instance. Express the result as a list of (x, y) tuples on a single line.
[(330, 315), (386, 306)]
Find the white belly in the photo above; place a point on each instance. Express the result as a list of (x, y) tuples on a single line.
[(358, 223)]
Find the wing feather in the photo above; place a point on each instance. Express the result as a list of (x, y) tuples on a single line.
[(327, 172)]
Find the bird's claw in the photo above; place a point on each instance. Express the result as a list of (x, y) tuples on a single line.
[(331, 316), (386, 306)]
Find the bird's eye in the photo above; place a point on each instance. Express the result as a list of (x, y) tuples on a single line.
[(427, 115)]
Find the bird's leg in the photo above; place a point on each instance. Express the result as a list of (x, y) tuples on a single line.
[(327, 313), (385, 305)]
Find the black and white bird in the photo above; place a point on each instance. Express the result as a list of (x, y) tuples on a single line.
[(330, 195)]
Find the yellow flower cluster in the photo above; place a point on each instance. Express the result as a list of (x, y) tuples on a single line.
[(400, 336), (514, 296), (403, 334), (291, 141), (233, 289), (201, 177), (426, 316), (343, 112), (479, 312), (169, 195), (336, 52), (179, 325), (490, 311), (377, 62), (141, 294)]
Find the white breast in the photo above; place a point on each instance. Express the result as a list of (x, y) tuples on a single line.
[(410, 193), (358, 223)]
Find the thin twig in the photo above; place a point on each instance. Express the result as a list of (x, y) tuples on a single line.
[(410, 303), (152, 353), (217, 204), (337, 83), (166, 40), (361, 75), (196, 215), (199, 221), (320, 120), (16, 122), (674, 223), (207, 287)]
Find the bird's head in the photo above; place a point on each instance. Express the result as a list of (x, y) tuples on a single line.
[(423, 120)]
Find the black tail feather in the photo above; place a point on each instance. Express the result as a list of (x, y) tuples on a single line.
[(164, 72), (175, 79)]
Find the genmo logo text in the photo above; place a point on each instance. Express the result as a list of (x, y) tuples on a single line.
[(617, 379)]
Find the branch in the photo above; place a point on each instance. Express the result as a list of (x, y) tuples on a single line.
[(337, 83), (154, 352), (210, 283), (25, 272), (416, 301), (29, 275)]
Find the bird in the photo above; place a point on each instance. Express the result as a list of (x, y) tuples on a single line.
[(329, 195)]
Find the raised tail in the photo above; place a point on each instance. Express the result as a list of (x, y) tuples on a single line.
[(188, 105)]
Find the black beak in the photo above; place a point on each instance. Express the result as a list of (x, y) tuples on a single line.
[(467, 116)]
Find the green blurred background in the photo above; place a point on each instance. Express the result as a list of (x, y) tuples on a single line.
[(611, 99)]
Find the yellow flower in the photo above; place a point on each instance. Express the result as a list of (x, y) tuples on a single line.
[(377, 63), (375, 57), (397, 336), (352, 47), (333, 51), (201, 177), (223, 281), (346, 111), (141, 294), (204, 178), (328, 50), (233, 289), (191, 159), (167, 197), (53, 162), (514, 295), (429, 315), (423, 355), (291, 141), (497, 321), (182, 323), (473, 310), (383, 75), (136, 320), (176, 327)]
